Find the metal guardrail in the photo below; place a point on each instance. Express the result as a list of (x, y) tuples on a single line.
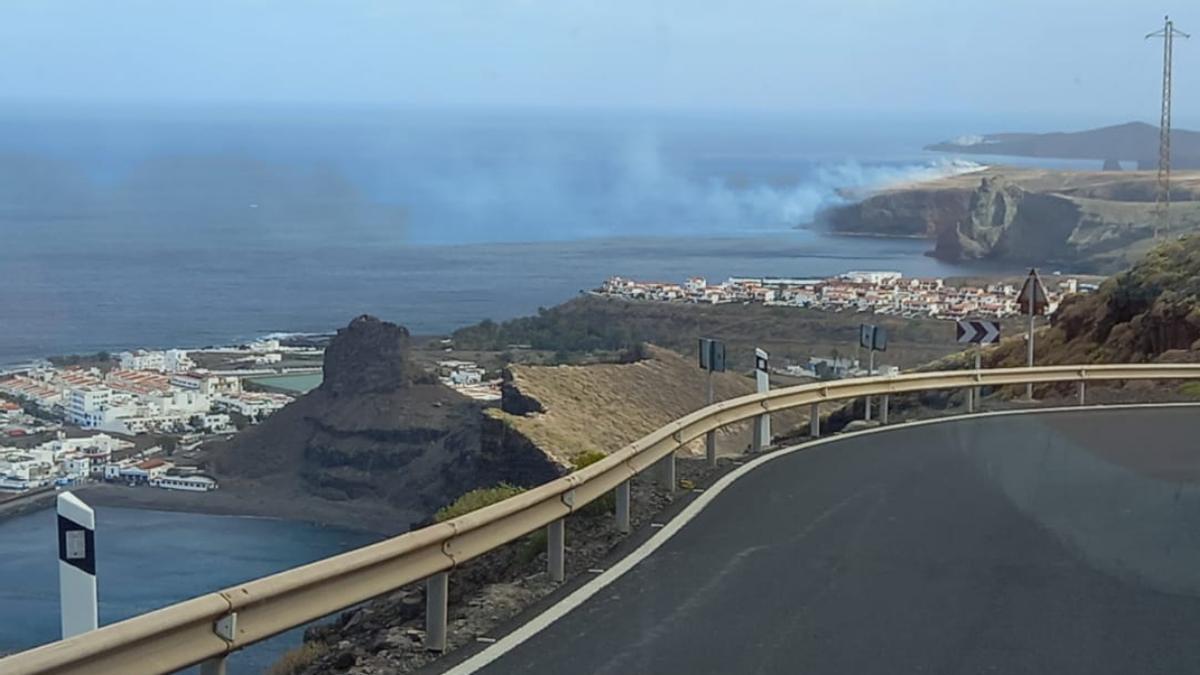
[(205, 629)]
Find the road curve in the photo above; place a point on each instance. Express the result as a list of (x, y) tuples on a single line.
[(1038, 543)]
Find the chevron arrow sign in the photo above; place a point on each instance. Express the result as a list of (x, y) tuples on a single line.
[(979, 332)]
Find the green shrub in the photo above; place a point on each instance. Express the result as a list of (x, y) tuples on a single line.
[(1190, 389), (531, 546), (298, 659), (587, 458), (477, 499), (608, 502)]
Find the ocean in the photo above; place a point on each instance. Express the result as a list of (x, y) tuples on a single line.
[(149, 559), (158, 228)]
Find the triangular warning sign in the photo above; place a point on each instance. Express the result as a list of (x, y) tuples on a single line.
[(1033, 291)]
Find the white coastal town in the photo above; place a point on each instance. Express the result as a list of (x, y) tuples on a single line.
[(878, 292), (119, 418), (134, 417)]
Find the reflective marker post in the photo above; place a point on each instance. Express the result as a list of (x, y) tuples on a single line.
[(76, 565), (762, 380)]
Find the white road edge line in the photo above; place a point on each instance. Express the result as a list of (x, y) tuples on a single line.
[(586, 591)]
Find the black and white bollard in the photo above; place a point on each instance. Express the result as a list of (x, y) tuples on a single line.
[(762, 380), (76, 565)]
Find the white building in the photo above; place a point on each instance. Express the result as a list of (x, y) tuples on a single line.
[(872, 277), (22, 470), (467, 375), (216, 423), (169, 361), (142, 360), (79, 467), (271, 345), (177, 361), (253, 404), (183, 402), (206, 383), (88, 407)]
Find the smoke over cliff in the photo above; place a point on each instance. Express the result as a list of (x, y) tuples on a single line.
[(634, 185)]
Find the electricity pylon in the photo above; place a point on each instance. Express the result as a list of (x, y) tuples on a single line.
[(1162, 195)]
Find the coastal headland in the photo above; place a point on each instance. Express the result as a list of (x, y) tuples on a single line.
[(1087, 221)]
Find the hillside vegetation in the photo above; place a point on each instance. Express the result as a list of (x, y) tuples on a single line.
[(1149, 313), (787, 333)]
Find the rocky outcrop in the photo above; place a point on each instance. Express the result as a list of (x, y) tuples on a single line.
[(1090, 221), (378, 432), (903, 213), (367, 356), (1007, 221)]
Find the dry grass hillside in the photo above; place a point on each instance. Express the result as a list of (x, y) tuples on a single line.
[(1147, 314), (606, 406)]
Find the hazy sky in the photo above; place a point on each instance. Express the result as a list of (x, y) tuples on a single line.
[(1086, 59)]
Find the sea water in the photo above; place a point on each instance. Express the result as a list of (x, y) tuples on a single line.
[(149, 559), (136, 228)]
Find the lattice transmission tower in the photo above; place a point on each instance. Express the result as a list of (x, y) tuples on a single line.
[(1162, 194)]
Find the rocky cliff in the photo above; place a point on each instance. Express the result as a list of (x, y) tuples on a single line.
[(1004, 220), (378, 432), (1092, 221)]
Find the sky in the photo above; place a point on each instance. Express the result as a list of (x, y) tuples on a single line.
[(1085, 60)]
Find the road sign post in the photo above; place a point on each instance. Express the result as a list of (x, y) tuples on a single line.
[(973, 395), (978, 332), (1033, 301), (873, 338), (762, 381), (76, 565), (712, 359)]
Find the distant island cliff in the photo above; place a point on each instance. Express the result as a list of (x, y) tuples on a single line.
[(1129, 142), (1094, 221)]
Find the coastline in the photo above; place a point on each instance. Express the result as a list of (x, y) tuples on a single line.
[(370, 518), (880, 235)]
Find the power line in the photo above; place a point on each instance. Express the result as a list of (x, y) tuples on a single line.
[(1162, 196)]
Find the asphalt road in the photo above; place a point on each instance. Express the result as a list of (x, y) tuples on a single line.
[(1047, 543)]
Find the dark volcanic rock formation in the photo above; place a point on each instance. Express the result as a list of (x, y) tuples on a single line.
[(367, 356), (377, 431)]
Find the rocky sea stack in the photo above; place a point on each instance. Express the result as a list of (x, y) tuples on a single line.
[(378, 433), (368, 356)]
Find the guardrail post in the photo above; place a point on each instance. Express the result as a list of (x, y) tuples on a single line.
[(1082, 392), (971, 399), (710, 447), (226, 629), (437, 596), (883, 409), (556, 553), (666, 472), (814, 420), (623, 508)]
